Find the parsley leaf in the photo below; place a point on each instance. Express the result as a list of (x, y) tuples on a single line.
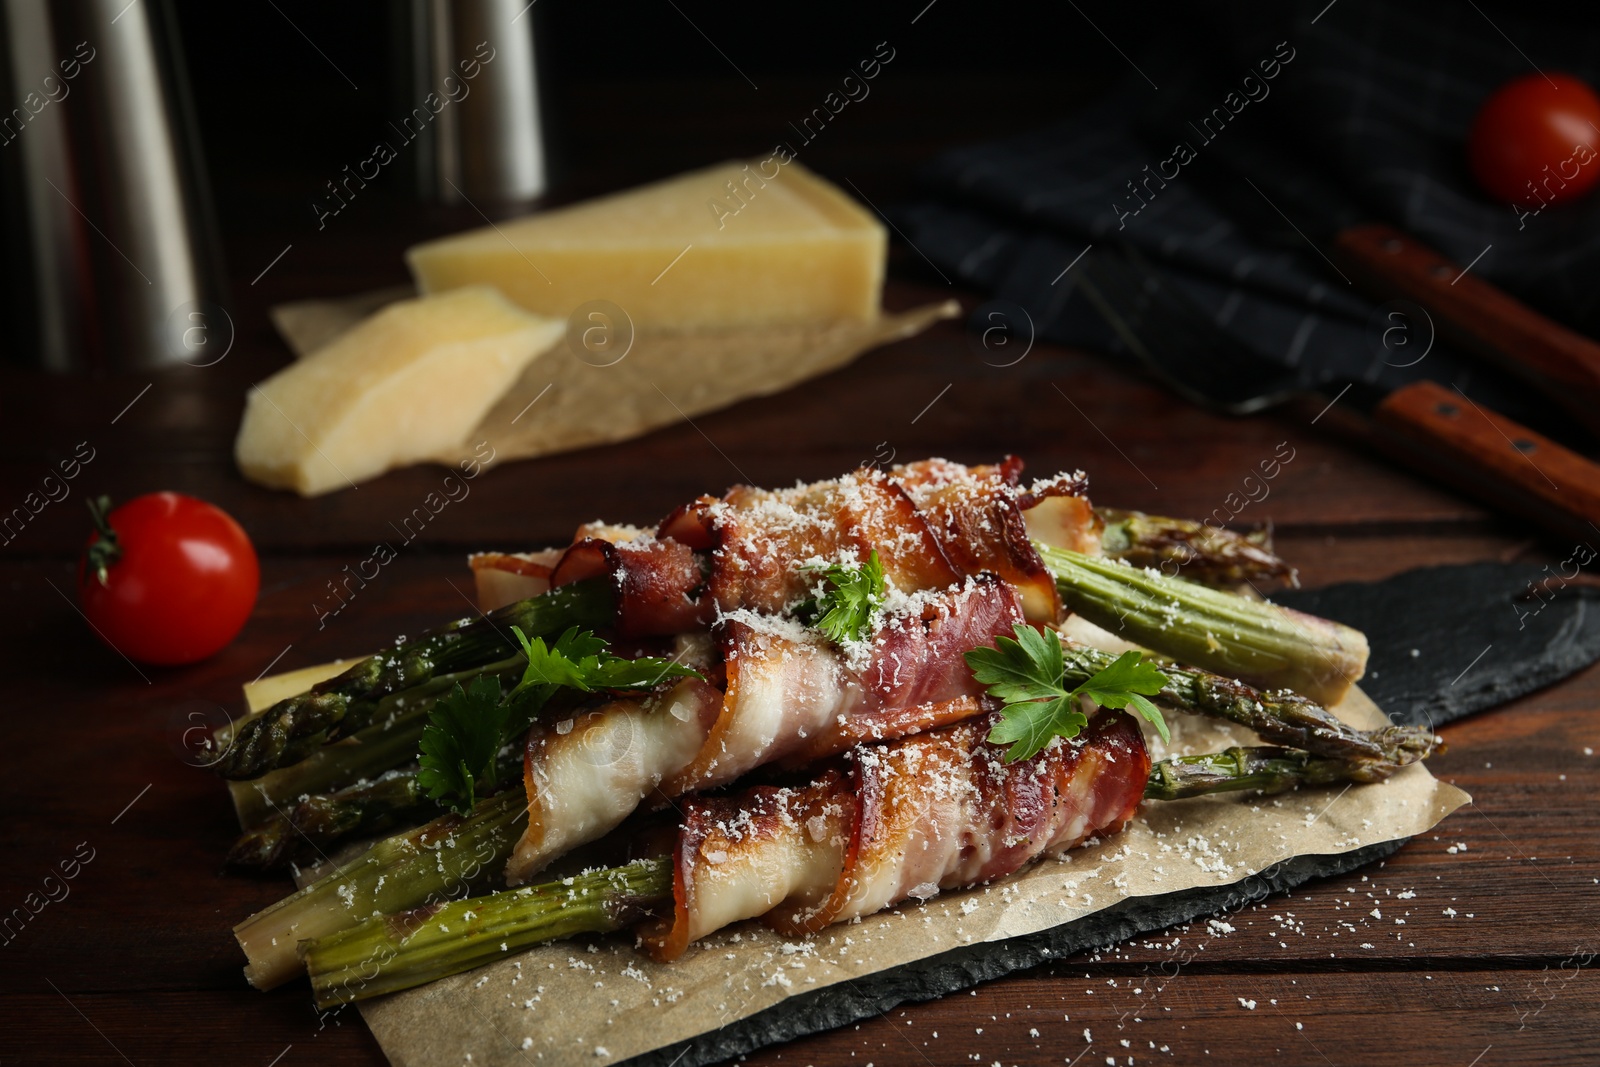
[(844, 611), (1028, 675), (1121, 684), (460, 743), (467, 728), (551, 667), (580, 660)]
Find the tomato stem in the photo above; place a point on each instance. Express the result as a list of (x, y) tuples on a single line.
[(105, 551)]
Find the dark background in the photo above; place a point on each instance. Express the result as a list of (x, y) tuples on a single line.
[(632, 92), (636, 91)]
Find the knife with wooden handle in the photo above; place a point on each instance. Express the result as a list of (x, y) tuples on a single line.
[(1472, 313), (1442, 433), (1434, 430), (1281, 200)]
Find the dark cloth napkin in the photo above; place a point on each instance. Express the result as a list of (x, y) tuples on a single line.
[(1372, 97), (1449, 615)]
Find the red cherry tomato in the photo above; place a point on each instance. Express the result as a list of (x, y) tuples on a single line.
[(180, 578), (1536, 140)]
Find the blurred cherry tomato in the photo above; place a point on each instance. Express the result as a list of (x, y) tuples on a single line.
[(166, 578), (1536, 140)]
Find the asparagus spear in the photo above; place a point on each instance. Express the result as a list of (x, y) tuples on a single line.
[(292, 729), (1268, 646), (320, 820), (450, 857), (391, 741), (388, 953), (1266, 769), (1281, 717), (1210, 555)]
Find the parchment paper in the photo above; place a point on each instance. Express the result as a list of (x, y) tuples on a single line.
[(600, 1000), (563, 402)]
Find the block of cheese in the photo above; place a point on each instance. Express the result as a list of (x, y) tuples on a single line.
[(407, 384), (737, 244)]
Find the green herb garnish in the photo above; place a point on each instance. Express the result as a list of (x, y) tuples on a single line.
[(462, 741), (1029, 676), (579, 660), (467, 728), (853, 595)]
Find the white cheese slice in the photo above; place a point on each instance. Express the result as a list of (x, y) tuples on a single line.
[(737, 244), (407, 384)]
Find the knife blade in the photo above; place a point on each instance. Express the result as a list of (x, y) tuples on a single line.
[(1434, 430)]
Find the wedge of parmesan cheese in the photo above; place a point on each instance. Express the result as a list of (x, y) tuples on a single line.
[(737, 244), (407, 384)]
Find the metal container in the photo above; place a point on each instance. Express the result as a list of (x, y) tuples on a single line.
[(470, 83), (107, 213)]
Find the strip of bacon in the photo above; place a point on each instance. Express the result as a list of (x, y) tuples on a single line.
[(657, 583), (759, 538), (938, 811), (586, 774), (757, 541), (791, 698), (932, 523), (738, 858), (985, 521), (506, 577)]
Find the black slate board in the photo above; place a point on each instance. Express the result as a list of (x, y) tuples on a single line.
[(958, 969), (1446, 613), (1482, 636)]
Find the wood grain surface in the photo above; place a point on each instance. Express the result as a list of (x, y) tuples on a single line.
[(1471, 947)]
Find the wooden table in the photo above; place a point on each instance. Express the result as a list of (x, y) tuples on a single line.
[(1487, 926)]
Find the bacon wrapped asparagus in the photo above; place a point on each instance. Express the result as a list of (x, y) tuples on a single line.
[(964, 553), (933, 523), (792, 698), (588, 774), (901, 820), (905, 819)]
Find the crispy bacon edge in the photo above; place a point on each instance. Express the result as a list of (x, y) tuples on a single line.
[(803, 852)]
